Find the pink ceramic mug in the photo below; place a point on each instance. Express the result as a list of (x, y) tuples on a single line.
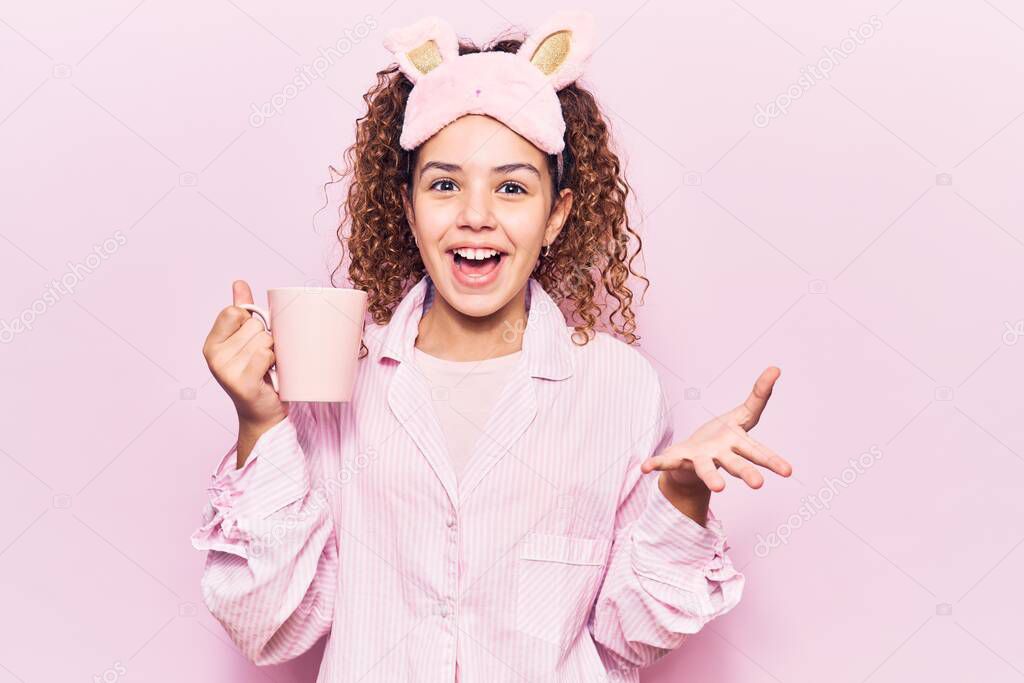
[(317, 335)]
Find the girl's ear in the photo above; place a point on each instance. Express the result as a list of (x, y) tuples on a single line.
[(410, 216), (422, 46), (559, 215), (560, 46)]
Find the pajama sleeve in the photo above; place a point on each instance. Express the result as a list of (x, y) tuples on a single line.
[(271, 570), (667, 575)]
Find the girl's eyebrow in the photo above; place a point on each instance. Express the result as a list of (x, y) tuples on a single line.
[(504, 168)]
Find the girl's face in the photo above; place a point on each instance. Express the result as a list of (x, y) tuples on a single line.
[(481, 210)]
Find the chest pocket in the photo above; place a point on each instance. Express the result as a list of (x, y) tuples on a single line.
[(555, 584)]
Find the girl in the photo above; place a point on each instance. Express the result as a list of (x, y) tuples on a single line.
[(501, 499)]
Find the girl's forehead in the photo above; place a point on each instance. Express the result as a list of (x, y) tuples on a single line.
[(482, 139)]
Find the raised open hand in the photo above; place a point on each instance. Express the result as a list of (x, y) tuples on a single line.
[(723, 441)]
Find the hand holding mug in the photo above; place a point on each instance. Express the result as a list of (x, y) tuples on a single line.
[(240, 351), (312, 335)]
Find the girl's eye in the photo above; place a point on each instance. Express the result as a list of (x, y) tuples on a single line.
[(441, 180), (520, 189)]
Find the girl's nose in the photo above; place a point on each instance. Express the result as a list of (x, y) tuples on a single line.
[(476, 212)]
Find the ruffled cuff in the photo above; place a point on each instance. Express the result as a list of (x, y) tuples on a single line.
[(673, 549), (273, 476)]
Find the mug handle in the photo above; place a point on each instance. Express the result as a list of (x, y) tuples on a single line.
[(265, 319)]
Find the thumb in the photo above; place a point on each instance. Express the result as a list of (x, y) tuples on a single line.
[(240, 292)]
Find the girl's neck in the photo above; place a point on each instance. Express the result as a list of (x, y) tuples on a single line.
[(447, 333)]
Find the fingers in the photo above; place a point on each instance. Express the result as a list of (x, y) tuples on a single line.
[(234, 331), (229, 321), (742, 469), (668, 459), (679, 458), (239, 352), (749, 412), (736, 453), (708, 473), (226, 323), (758, 453), (240, 292), (250, 338), (258, 365), (251, 332), (252, 362)]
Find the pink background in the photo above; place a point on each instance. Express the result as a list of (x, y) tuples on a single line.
[(869, 242)]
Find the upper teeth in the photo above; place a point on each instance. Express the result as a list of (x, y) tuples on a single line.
[(476, 254)]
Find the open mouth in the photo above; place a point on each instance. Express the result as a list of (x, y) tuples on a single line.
[(476, 263)]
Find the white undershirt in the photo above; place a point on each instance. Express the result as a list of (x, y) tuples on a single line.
[(464, 394)]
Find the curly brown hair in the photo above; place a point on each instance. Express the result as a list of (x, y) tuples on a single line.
[(596, 238)]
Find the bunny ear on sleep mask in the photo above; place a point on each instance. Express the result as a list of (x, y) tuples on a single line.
[(518, 89)]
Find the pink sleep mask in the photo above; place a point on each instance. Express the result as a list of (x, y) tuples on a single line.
[(518, 89)]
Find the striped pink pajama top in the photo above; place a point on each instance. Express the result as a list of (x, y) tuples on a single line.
[(553, 558)]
